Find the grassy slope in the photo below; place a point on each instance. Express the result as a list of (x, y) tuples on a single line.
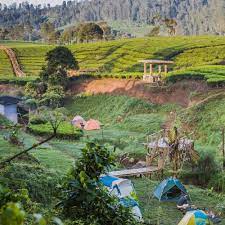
[(207, 119), (45, 153), (128, 135), (126, 120), (192, 55)]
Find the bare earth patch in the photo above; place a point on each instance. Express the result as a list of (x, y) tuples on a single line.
[(178, 93)]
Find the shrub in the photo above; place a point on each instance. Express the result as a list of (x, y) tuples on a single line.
[(217, 182), (40, 182), (86, 194), (203, 171)]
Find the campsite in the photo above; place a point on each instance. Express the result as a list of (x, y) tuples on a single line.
[(102, 127)]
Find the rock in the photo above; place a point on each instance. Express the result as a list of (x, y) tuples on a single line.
[(139, 164), (132, 160)]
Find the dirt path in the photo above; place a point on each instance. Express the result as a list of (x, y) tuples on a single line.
[(14, 62)]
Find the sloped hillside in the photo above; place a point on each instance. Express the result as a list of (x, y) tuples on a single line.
[(195, 57)]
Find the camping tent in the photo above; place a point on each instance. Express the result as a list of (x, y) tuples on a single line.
[(124, 190), (170, 189), (196, 217), (78, 121), (92, 125)]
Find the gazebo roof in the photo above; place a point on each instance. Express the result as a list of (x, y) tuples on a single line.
[(155, 61)]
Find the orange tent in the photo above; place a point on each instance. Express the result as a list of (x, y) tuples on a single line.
[(78, 121), (92, 125)]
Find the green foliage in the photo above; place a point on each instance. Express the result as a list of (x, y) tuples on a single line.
[(60, 57), (86, 194), (40, 183), (12, 214), (54, 122), (48, 32), (59, 60), (204, 171), (4, 121), (53, 97), (89, 31), (217, 182), (64, 131)]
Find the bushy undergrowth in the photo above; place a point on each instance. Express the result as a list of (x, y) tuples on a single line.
[(40, 182), (204, 171)]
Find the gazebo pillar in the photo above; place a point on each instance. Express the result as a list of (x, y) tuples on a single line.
[(145, 69), (160, 69), (165, 69), (151, 69)]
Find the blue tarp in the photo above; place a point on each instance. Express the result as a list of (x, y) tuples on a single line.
[(108, 180), (164, 191)]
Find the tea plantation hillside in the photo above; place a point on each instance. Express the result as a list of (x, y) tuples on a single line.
[(5, 65), (198, 57)]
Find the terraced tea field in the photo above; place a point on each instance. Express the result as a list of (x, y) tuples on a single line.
[(196, 57), (5, 65)]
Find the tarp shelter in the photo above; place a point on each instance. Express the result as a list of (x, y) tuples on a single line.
[(196, 217), (92, 125), (170, 189), (78, 121), (124, 190)]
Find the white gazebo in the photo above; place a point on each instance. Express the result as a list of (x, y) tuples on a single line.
[(150, 75)]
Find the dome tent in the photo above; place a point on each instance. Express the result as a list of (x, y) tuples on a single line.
[(78, 121), (124, 190), (92, 125), (170, 189), (196, 217)]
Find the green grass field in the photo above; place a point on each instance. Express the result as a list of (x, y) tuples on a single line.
[(199, 57), (162, 213)]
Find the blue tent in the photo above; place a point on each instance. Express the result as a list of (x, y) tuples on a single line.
[(124, 190), (170, 189), (108, 180)]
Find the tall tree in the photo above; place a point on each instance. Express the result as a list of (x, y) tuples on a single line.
[(47, 29), (89, 32)]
